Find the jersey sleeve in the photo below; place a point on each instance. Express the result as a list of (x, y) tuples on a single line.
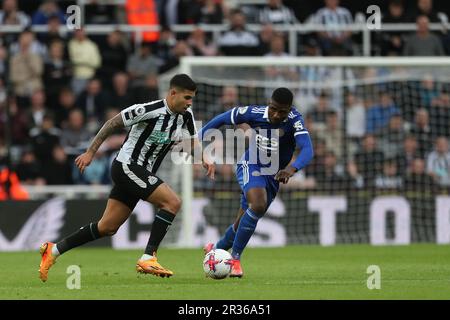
[(137, 113), (189, 127), (299, 125), (241, 114)]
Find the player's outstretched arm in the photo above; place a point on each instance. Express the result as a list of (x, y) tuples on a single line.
[(215, 123), (108, 128)]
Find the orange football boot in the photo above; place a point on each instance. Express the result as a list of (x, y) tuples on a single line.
[(236, 269), (47, 260), (151, 266)]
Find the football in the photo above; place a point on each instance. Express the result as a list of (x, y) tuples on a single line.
[(217, 264)]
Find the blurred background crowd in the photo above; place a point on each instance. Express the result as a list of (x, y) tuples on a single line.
[(59, 86)]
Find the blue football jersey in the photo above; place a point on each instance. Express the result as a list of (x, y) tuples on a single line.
[(270, 144)]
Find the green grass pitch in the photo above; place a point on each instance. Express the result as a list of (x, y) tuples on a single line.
[(420, 271)]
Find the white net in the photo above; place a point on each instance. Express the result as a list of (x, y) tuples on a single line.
[(380, 129)]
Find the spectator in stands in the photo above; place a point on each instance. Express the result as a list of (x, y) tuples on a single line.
[(320, 111), (34, 45), (279, 76), (417, 179), (368, 160), (93, 101), (99, 12), (332, 133), (198, 11), (75, 136), (86, 59), (141, 64), (165, 44), (121, 96), (57, 72), (46, 10), (438, 162), (11, 15), (423, 43), (440, 115), (428, 91), (19, 118), (172, 12), (391, 137), (331, 179), (114, 58), (58, 171), (274, 12), (409, 152), (44, 138), (38, 109), (392, 42), (200, 45), (54, 33), (26, 68), (424, 8), (237, 41), (66, 103), (378, 115), (334, 42), (265, 37), (228, 100), (148, 91), (423, 131), (390, 178), (355, 116), (29, 169), (180, 50), (139, 12)]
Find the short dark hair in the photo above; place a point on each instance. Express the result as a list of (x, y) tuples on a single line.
[(283, 96), (183, 81)]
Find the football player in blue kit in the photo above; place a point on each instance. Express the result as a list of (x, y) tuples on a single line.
[(277, 129)]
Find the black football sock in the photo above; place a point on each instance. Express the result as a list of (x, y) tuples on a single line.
[(163, 220), (81, 236)]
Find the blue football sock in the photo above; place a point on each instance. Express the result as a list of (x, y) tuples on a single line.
[(226, 242), (246, 228)]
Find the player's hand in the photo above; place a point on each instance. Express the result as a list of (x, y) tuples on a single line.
[(84, 160), (284, 175), (209, 166)]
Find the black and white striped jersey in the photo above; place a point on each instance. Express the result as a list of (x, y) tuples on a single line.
[(154, 130)]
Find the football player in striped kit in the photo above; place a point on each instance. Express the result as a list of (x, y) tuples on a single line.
[(155, 128)]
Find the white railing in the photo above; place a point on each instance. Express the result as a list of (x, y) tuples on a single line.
[(69, 191), (217, 29)]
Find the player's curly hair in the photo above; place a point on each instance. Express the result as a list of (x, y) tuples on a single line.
[(283, 96)]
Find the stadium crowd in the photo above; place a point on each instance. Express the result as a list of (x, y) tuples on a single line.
[(60, 87)]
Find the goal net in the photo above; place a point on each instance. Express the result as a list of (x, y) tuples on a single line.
[(380, 129)]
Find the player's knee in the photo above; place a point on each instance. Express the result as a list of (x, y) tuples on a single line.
[(173, 205), (259, 208), (106, 229)]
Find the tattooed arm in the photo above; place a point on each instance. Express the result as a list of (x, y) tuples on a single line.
[(108, 128)]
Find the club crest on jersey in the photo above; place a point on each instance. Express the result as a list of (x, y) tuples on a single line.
[(298, 125), (152, 180), (242, 110)]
